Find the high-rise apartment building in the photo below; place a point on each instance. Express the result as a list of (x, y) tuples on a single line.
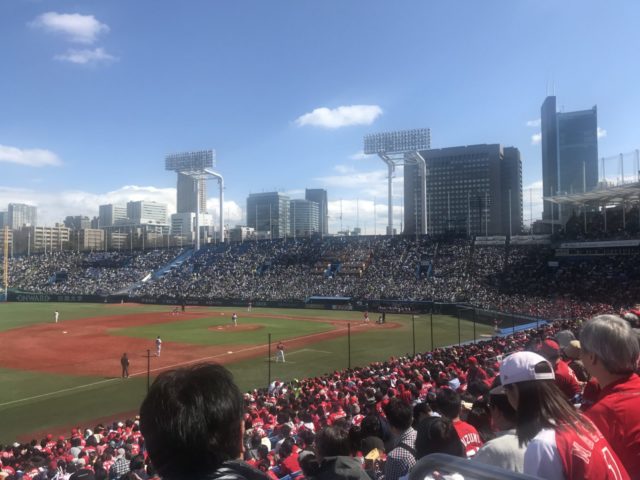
[(187, 194), (569, 152), (319, 195), (142, 211), (304, 215), (269, 213), (21, 215), (473, 190), (4, 219), (111, 214)]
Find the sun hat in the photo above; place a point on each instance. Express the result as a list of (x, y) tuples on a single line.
[(521, 367)]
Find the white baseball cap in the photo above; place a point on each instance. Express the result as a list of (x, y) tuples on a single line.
[(521, 367)]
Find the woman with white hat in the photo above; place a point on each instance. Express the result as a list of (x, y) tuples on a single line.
[(561, 443)]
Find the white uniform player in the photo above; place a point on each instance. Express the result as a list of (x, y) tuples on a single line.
[(56, 316), (158, 345)]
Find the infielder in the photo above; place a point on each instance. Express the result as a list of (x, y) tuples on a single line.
[(56, 315), (234, 319), (280, 352), (158, 345)]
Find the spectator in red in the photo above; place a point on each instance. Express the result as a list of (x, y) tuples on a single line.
[(561, 443), (565, 378), (475, 372), (288, 458), (610, 351), (449, 405)]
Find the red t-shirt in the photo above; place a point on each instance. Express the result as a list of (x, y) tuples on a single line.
[(617, 416), (289, 465), (566, 380), (572, 453), (469, 437)]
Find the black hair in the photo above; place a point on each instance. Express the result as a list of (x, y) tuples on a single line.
[(541, 404), (191, 421), (449, 403), (437, 435), (399, 414), (333, 441)]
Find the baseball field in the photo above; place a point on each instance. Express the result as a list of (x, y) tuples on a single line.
[(57, 375)]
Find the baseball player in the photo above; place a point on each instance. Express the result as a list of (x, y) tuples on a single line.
[(280, 352), (158, 345), (234, 319), (56, 316)]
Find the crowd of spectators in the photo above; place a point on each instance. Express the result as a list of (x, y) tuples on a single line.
[(528, 280), (379, 420), (88, 273)]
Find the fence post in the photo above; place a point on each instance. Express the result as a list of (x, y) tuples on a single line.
[(413, 329), (269, 361), (148, 370), (432, 327), (349, 345), (475, 318)]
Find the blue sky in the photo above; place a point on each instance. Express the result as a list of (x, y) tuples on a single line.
[(96, 93)]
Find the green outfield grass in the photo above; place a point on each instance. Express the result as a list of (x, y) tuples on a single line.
[(31, 401)]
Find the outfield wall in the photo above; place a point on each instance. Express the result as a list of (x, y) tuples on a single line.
[(464, 311)]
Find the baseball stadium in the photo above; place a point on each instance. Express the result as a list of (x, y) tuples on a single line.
[(398, 312), (330, 240)]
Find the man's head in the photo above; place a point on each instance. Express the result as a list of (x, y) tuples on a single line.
[(609, 345), (191, 420), (399, 414), (449, 403)]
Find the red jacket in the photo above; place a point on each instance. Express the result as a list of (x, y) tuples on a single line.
[(566, 380), (469, 437), (617, 416)]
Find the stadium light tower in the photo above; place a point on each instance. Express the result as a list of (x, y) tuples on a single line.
[(401, 148), (199, 166)]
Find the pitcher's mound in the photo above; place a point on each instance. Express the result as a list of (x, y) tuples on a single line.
[(243, 327)]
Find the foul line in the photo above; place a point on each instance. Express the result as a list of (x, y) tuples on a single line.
[(144, 372)]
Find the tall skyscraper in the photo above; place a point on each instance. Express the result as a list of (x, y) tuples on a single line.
[(4, 219), (111, 214), (473, 190), (319, 195), (21, 215), (304, 215), (268, 212), (569, 152), (187, 194), (142, 211)]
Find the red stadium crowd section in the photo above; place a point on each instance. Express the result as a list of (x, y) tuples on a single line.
[(281, 421)]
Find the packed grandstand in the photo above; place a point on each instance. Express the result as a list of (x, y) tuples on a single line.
[(454, 394), (524, 279)]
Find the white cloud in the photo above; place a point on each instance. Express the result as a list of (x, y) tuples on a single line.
[(536, 138), (344, 169), (85, 56), (601, 132), (29, 157), (233, 214), (359, 156), (534, 123), (73, 26), (343, 116), (53, 207)]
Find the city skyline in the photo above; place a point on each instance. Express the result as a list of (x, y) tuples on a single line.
[(100, 94)]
